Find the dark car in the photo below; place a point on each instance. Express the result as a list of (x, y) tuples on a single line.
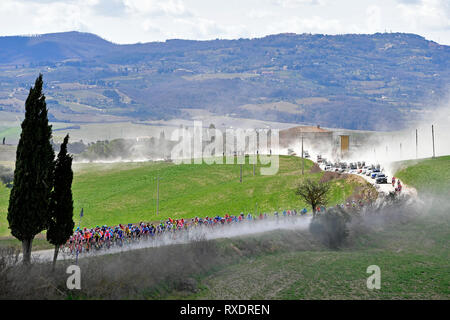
[(381, 179)]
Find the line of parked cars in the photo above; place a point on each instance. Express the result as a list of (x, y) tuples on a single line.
[(360, 167)]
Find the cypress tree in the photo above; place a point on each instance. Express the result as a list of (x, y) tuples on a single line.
[(60, 225), (29, 200)]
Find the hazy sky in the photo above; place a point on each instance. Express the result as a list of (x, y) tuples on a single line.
[(130, 21)]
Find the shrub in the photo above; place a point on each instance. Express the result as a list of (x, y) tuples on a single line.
[(6, 175), (330, 227)]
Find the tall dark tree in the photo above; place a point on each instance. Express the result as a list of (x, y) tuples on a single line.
[(60, 225), (29, 201)]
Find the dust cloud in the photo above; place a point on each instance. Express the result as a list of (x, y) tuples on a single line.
[(244, 228)]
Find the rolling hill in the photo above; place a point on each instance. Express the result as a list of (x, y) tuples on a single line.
[(352, 81), (428, 176)]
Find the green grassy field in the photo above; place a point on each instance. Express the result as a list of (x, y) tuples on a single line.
[(413, 255), (428, 175), (126, 192), (290, 264), (4, 200), (10, 133), (414, 258)]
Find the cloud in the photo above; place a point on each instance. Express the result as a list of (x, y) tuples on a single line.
[(173, 19), (127, 21), (39, 18), (314, 24), (110, 8), (260, 14), (296, 3), (373, 22), (425, 14), (156, 8), (135, 20), (409, 1)]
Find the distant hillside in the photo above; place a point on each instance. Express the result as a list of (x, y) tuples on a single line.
[(53, 47), (350, 81)]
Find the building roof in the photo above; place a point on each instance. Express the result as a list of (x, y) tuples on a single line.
[(304, 129)]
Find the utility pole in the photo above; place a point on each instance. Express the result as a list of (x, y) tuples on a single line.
[(432, 134), (417, 143), (157, 194), (254, 165), (302, 155), (240, 175), (400, 150), (303, 159)]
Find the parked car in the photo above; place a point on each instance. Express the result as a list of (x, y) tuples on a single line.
[(381, 178), (376, 169)]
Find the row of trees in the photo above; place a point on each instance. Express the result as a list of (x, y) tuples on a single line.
[(41, 196)]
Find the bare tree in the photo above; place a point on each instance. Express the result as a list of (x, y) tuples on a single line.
[(314, 193)]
